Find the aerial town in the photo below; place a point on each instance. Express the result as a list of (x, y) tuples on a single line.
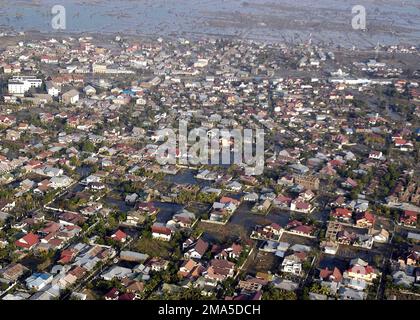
[(88, 213)]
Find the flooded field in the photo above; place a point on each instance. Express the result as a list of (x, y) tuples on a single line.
[(324, 21)]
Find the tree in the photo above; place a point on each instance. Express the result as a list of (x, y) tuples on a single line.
[(271, 293), (88, 146)]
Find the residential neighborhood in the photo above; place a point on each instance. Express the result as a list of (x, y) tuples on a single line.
[(88, 212)]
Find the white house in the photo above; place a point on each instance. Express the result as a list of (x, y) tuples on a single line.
[(38, 281), (293, 263), (161, 232), (53, 90), (60, 182)]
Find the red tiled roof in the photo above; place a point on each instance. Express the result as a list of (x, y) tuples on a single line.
[(119, 235), (161, 230), (27, 241)]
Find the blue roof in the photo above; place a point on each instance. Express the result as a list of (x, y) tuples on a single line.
[(43, 276), (129, 91)]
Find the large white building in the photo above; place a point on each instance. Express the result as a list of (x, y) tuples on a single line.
[(19, 85)]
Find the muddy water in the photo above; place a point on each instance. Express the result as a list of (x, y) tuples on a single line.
[(323, 21)]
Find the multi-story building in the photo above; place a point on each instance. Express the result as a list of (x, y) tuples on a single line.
[(307, 181)]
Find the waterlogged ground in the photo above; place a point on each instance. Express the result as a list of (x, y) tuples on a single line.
[(327, 21)]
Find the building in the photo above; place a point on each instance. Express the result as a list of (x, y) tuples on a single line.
[(28, 241), (293, 263), (99, 68), (161, 232), (52, 89), (361, 270), (307, 181), (197, 251), (70, 97), (38, 281), (19, 85), (220, 270)]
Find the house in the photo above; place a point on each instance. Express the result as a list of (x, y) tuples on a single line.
[(346, 237), (135, 218), (220, 270), (89, 90), (381, 236), (183, 220), (234, 186), (361, 270), (342, 214), (232, 252), (269, 232), (251, 284), (197, 251), (113, 294), (13, 272), (251, 197), (148, 208), (191, 269), (161, 232), (228, 200), (293, 263), (60, 182), (334, 275), (131, 198), (53, 89), (67, 256), (300, 206), (116, 272), (409, 218), (127, 297), (28, 242), (412, 236), (302, 230), (6, 206), (411, 258), (401, 278), (132, 256), (70, 97), (38, 281), (365, 219), (339, 202), (158, 264), (282, 201), (308, 195), (119, 236), (307, 181), (135, 287), (350, 294), (359, 205), (19, 85), (403, 144)]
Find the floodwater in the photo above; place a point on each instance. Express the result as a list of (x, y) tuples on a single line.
[(187, 176), (323, 21), (244, 217), (166, 211)]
